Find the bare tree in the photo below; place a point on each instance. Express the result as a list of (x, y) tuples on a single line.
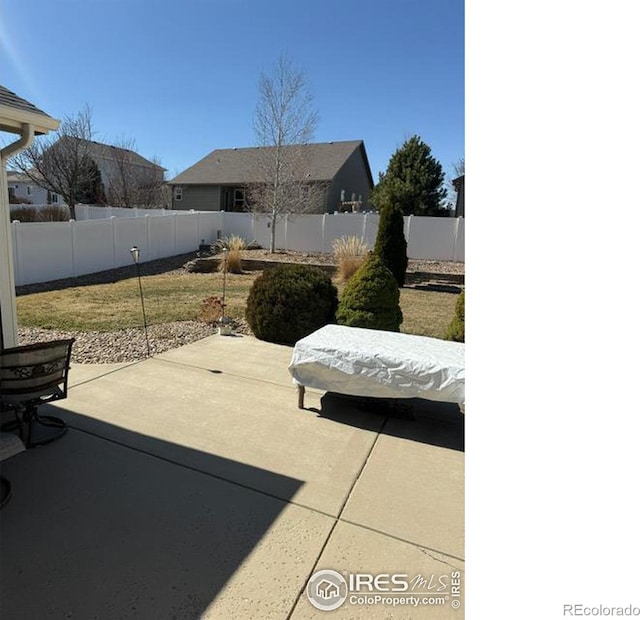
[(284, 122), (61, 163), (131, 180), (458, 167)]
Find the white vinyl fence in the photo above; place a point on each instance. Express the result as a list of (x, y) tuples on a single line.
[(45, 251)]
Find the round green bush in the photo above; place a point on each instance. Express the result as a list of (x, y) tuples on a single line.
[(288, 302), (371, 298), (455, 331)]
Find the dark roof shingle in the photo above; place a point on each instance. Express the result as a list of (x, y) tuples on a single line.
[(11, 100), (242, 165)]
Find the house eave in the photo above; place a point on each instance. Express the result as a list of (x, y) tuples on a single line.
[(13, 120)]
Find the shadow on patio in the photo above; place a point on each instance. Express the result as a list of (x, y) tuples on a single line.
[(96, 529), (414, 419)]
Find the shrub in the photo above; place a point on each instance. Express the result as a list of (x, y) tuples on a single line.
[(391, 246), (371, 298), (24, 214), (350, 252), (49, 213), (211, 310), (455, 331), (289, 301), (53, 213)]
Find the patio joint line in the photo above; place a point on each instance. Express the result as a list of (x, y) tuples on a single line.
[(106, 374), (338, 519), (225, 372), (408, 542), (204, 473)]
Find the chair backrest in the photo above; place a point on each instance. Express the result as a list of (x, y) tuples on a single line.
[(35, 371)]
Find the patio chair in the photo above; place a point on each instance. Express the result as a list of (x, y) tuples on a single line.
[(30, 376)]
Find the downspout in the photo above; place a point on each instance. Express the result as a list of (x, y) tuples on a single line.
[(20, 144), (8, 311)]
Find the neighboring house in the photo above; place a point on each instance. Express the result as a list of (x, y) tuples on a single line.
[(219, 181), (459, 187), (123, 172), (24, 121), (23, 190), (120, 169)]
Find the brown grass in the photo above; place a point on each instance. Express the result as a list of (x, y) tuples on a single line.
[(179, 297), (350, 253)]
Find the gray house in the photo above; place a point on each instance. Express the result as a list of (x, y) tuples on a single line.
[(22, 189), (128, 179), (219, 181)]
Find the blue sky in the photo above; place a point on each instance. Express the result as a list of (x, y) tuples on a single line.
[(180, 78)]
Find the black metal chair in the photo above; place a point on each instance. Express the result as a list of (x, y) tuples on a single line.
[(30, 376)]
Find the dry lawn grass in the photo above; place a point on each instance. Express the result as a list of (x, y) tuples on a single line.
[(178, 297)]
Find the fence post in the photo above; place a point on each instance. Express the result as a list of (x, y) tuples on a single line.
[(286, 232), (72, 224), (407, 226), (175, 233), (147, 223), (113, 240), (324, 224)]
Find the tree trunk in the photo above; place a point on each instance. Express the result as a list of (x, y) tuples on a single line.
[(272, 246)]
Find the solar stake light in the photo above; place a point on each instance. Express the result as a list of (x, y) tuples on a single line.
[(135, 256), (224, 328)]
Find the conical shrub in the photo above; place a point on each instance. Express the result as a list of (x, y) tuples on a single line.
[(371, 298), (391, 245), (455, 331)]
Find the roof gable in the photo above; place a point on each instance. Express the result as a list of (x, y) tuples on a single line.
[(98, 150), (242, 165)]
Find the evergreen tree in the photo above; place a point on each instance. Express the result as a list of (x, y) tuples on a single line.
[(371, 298), (414, 180), (90, 186), (391, 245), (455, 331)]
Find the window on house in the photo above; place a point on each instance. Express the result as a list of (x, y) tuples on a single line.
[(238, 199), (178, 193), (28, 190), (54, 199)]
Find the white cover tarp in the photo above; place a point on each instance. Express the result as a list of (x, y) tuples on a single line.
[(367, 362)]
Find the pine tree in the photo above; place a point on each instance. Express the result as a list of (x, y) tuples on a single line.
[(391, 245), (414, 180), (90, 187)]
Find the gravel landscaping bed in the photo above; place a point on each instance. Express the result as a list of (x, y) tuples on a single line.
[(128, 345)]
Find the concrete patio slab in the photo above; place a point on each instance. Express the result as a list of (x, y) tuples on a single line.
[(97, 530), (197, 490), (413, 489), (243, 356), (429, 578), (245, 419)]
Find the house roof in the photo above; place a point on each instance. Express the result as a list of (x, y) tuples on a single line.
[(13, 176), (98, 150), (15, 111), (242, 165)]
